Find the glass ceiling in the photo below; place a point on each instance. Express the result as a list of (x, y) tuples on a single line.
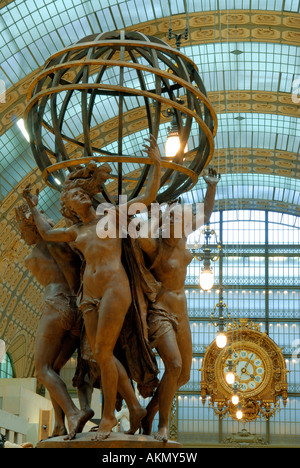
[(258, 66), (255, 131), (231, 187), (249, 186), (33, 30), (251, 130)]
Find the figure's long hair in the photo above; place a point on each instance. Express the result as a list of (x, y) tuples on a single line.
[(90, 179)]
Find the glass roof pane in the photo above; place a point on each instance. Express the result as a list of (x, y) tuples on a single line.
[(262, 187), (267, 123), (32, 21), (258, 131), (258, 67), (292, 5), (28, 31)]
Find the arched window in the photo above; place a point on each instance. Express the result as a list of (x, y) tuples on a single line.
[(7, 368)]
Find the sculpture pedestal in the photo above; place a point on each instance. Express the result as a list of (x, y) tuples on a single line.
[(116, 440)]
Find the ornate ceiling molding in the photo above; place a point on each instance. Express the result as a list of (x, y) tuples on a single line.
[(238, 25), (254, 101), (259, 161), (246, 204)]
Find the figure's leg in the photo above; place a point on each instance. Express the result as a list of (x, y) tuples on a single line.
[(49, 340), (113, 308), (90, 316), (59, 428), (70, 344), (184, 341), (84, 392), (126, 390), (168, 350), (68, 348), (152, 409), (124, 385)]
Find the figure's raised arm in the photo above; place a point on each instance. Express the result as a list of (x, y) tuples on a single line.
[(149, 196), (202, 216), (209, 201), (45, 229)]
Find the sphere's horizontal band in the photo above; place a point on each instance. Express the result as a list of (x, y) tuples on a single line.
[(79, 144), (122, 43), (118, 159), (156, 97), (137, 66)]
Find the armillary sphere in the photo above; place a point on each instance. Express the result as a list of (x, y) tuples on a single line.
[(123, 81)]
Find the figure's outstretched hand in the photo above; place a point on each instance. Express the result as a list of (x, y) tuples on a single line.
[(212, 178), (152, 150), (31, 199)]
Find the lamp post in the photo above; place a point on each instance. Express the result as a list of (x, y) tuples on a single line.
[(206, 278), (173, 141), (178, 37)]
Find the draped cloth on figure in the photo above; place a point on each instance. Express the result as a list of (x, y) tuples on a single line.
[(133, 349), (134, 339)]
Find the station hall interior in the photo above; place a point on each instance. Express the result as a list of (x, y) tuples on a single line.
[(247, 54)]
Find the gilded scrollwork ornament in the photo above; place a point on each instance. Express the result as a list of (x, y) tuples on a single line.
[(259, 369)]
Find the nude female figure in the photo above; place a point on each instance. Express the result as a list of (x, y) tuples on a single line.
[(60, 324), (106, 294), (168, 322)]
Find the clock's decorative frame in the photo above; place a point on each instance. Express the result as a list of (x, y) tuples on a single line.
[(247, 345)]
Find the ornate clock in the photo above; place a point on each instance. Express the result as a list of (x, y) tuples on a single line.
[(260, 374)]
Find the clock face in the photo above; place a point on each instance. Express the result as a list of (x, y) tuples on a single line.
[(249, 370), (250, 365)]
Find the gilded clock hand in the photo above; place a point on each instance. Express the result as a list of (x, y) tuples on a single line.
[(248, 373)]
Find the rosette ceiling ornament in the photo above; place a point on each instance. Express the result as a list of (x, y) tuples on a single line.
[(66, 103)]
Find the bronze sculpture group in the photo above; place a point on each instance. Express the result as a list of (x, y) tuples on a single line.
[(113, 299)]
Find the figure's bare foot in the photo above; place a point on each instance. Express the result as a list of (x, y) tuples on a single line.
[(101, 435), (136, 417), (59, 430), (89, 414), (105, 428), (162, 434), (76, 423)]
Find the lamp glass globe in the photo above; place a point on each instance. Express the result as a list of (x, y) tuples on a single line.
[(172, 145), (206, 279), (230, 378), (221, 340), (235, 399)]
